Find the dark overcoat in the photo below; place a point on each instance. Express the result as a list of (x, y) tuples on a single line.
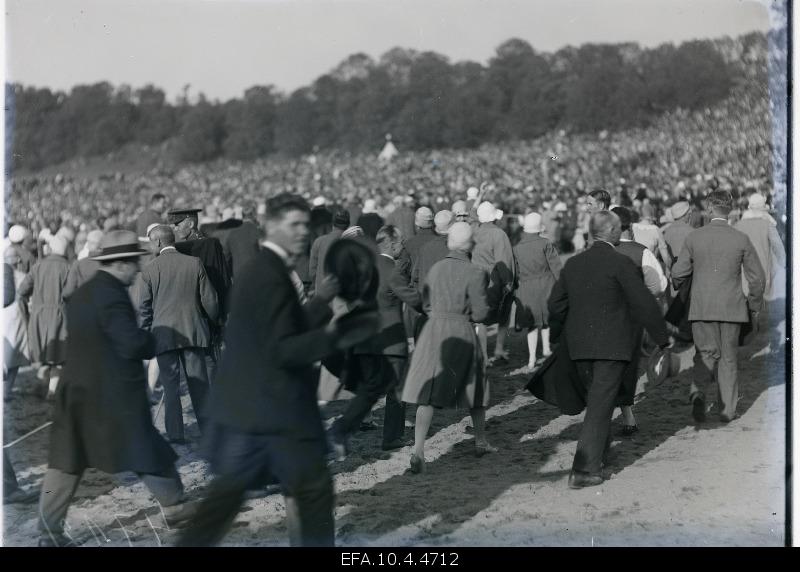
[(101, 417)]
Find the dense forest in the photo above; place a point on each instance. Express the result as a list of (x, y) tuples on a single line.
[(422, 98)]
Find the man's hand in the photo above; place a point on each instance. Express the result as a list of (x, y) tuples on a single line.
[(328, 288)]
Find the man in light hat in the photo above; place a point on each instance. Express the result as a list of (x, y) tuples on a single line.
[(47, 327), (675, 234), (17, 235), (494, 254), (102, 415), (176, 302), (762, 231)]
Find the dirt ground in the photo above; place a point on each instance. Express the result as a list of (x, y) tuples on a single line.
[(671, 484)]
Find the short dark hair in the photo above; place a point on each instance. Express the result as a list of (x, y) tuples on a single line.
[(157, 197), (602, 196), (279, 205), (720, 201), (625, 218), (389, 233)]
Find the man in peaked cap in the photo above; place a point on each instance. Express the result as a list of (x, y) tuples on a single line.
[(190, 241), (104, 386)]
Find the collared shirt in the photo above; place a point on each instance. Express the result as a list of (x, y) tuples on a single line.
[(296, 282), (388, 256), (654, 277), (167, 248), (601, 240), (720, 218)]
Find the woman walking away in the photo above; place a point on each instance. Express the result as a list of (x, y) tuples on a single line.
[(448, 369), (539, 268)]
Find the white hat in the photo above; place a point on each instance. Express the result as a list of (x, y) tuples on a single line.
[(58, 245), (533, 223), (755, 202), (488, 213), (560, 207), (16, 233), (679, 209), (369, 206), (318, 202), (227, 213), (472, 193), (460, 208), (459, 236)]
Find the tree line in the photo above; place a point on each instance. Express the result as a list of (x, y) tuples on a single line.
[(422, 98)]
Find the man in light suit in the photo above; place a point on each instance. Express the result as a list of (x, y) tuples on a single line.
[(715, 256), (599, 298), (176, 303)]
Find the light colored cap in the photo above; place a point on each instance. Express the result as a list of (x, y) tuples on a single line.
[(118, 244), (227, 213), (16, 233), (58, 245), (488, 213), (352, 232), (423, 218), (560, 207), (756, 202), (459, 236), (318, 202), (66, 233), (533, 223), (472, 193), (442, 221), (679, 209), (460, 208), (94, 237), (369, 206)]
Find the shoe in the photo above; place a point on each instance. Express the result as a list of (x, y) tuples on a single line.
[(20, 496), (484, 448), (55, 541), (581, 480), (368, 426), (180, 513), (417, 464), (337, 448), (698, 409), (725, 419), (396, 444), (628, 430)]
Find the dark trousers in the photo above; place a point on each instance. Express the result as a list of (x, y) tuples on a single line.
[(192, 363), (59, 487), (379, 375), (717, 346), (602, 379), (9, 477), (245, 461)]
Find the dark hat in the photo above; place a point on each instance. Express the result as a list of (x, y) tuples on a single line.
[(341, 218), (177, 215), (353, 264), (118, 244)]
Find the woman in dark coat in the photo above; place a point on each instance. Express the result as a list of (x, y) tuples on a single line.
[(539, 268), (447, 368), (47, 326)]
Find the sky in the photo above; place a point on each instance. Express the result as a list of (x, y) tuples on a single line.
[(221, 48)]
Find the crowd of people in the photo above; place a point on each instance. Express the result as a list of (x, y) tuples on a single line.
[(263, 286)]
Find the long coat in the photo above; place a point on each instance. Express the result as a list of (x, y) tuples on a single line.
[(176, 302), (431, 252), (15, 323), (539, 268), (714, 256), (47, 327), (447, 367), (266, 382), (316, 259), (771, 253), (102, 416), (493, 253), (600, 298)]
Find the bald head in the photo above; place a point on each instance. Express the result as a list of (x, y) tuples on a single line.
[(460, 237), (162, 236), (606, 226)]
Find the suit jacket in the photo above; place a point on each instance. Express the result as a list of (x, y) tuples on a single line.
[(393, 290), (599, 298), (714, 256), (101, 417), (675, 235), (241, 244), (316, 260), (176, 301), (266, 382)]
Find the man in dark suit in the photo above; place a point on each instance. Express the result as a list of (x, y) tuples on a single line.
[(102, 414), (380, 360), (153, 215), (176, 303), (341, 220), (714, 256), (598, 298), (264, 416)]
